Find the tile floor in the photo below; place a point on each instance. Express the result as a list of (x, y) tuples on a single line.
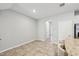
[(35, 48)]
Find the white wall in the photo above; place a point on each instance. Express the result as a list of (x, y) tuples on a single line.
[(65, 29), (54, 30), (4, 6), (15, 29), (42, 29), (62, 26), (65, 25)]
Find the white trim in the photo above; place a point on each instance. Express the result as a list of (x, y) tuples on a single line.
[(42, 39), (17, 46)]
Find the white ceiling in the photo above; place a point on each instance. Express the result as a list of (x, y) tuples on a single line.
[(5, 5), (41, 10)]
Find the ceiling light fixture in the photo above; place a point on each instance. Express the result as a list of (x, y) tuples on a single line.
[(34, 10)]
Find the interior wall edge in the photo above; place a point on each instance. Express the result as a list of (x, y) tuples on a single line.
[(22, 14)]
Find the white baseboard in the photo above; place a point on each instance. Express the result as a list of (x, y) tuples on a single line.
[(42, 39), (16, 46)]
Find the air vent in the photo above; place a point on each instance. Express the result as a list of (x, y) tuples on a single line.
[(76, 12), (62, 4)]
